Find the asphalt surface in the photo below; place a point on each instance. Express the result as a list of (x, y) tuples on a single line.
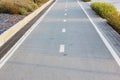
[(64, 46)]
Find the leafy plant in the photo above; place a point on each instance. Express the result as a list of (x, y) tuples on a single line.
[(28, 7), (37, 1), (8, 7), (22, 11), (103, 9), (86, 0), (108, 12), (114, 20)]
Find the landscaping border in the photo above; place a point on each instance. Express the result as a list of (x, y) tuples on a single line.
[(8, 38)]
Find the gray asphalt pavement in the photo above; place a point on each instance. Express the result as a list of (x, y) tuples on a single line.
[(64, 46)]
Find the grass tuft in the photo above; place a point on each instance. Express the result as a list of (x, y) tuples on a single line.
[(109, 12), (22, 7), (8, 7), (86, 0)]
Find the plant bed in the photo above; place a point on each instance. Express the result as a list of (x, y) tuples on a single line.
[(104, 9), (86, 0), (108, 12), (114, 21), (22, 7)]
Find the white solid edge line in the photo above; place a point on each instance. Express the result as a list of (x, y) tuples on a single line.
[(62, 48), (20, 41), (112, 51), (63, 30)]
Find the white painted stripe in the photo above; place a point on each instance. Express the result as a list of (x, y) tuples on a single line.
[(20, 41), (65, 14), (64, 20), (112, 51), (62, 48), (63, 30)]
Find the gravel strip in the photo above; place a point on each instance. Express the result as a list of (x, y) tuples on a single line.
[(8, 20)]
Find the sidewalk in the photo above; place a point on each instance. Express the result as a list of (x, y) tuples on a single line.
[(109, 33)]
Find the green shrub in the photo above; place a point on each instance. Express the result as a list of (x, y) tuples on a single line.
[(22, 7), (86, 0), (17, 7), (114, 20), (37, 1), (108, 12), (22, 11), (7, 7), (28, 7), (104, 9)]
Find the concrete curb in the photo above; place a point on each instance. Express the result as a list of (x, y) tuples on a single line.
[(14, 29)]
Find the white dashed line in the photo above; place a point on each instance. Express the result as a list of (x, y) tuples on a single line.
[(62, 48), (63, 30), (64, 20)]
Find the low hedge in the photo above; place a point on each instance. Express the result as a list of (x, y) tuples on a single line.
[(114, 21), (6, 7), (23, 7), (86, 0), (109, 12), (103, 9)]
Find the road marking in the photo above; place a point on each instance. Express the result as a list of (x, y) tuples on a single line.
[(65, 14), (112, 51), (63, 30), (4, 59), (62, 48), (64, 20)]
